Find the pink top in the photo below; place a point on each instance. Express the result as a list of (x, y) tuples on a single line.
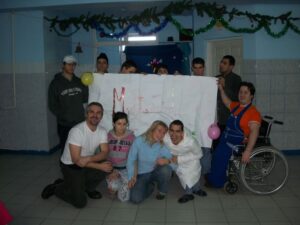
[(119, 148)]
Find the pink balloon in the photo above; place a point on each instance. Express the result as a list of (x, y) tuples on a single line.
[(213, 131)]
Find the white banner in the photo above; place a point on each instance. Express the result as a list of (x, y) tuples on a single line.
[(146, 98)]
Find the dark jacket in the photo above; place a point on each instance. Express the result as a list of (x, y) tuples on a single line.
[(232, 84), (66, 99)]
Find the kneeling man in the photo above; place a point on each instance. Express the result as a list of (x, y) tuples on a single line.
[(186, 154), (83, 168)]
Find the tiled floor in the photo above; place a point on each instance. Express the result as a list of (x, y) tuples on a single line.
[(22, 177)]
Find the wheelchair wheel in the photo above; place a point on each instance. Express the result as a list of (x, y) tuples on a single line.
[(231, 187), (267, 171), (267, 165)]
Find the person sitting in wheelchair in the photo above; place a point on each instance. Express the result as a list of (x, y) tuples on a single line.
[(242, 124)]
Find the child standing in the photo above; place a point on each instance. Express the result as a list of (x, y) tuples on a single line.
[(120, 140)]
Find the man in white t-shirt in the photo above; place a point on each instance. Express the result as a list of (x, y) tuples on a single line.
[(82, 167)]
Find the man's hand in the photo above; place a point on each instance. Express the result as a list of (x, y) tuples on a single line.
[(174, 159), (105, 166), (162, 161), (83, 161), (132, 182), (221, 82)]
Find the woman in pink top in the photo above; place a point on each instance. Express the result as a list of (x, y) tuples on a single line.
[(119, 141)]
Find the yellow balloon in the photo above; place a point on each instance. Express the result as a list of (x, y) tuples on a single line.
[(87, 78)]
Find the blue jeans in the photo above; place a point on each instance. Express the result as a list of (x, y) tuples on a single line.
[(205, 161), (144, 185)]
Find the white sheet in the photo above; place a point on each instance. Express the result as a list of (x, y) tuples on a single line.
[(151, 97)]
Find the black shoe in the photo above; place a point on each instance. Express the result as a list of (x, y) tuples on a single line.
[(50, 189), (200, 193), (160, 196), (185, 198), (94, 194)]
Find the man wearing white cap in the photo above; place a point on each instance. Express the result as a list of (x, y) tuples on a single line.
[(66, 99)]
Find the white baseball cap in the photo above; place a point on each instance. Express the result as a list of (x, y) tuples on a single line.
[(69, 59)]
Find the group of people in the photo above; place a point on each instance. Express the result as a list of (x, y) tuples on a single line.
[(129, 66), (102, 64), (133, 165)]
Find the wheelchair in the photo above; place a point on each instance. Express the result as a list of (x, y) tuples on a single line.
[(266, 173)]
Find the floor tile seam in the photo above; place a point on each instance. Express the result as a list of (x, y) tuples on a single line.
[(136, 213), (7, 184), (195, 212), (8, 199), (42, 218), (165, 215), (252, 210), (63, 207), (106, 214), (76, 217), (22, 211), (42, 174), (32, 205), (223, 210), (281, 209)]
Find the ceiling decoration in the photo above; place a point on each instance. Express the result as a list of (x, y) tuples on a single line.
[(219, 16)]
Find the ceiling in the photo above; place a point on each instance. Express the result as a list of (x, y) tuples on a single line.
[(123, 9)]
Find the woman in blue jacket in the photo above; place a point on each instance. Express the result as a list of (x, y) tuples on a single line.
[(152, 158)]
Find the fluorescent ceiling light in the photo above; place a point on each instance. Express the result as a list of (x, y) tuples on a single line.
[(142, 38)]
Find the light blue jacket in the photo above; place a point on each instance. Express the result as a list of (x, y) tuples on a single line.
[(145, 155)]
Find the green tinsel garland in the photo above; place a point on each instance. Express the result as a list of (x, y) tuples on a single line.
[(150, 15)]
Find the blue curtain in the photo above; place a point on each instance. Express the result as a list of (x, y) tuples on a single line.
[(176, 57)]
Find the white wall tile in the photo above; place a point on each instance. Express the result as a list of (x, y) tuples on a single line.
[(278, 95), (291, 122), (278, 84), (25, 127), (277, 104), (292, 103), (279, 117), (278, 140), (263, 84), (292, 140), (263, 103), (292, 83)]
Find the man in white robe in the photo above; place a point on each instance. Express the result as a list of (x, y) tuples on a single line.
[(186, 153)]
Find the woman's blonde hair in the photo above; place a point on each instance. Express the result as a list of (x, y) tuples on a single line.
[(148, 134)]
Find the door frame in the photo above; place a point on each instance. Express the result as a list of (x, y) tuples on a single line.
[(209, 53)]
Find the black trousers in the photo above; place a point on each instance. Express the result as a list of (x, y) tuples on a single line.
[(63, 132), (78, 181)]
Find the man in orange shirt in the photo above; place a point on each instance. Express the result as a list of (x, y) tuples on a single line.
[(242, 125)]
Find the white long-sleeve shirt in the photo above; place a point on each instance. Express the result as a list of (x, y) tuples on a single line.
[(188, 153)]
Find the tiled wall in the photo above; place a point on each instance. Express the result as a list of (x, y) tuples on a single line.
[(24, 126), (51, 70), (278, 94)]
